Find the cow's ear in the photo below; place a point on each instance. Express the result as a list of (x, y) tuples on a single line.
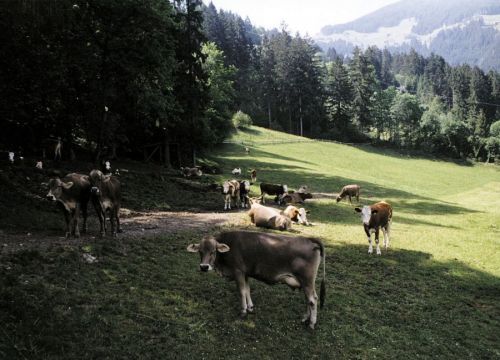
[(222, 248), (67, 185), (374, 211), (358, 209), (193, 248)]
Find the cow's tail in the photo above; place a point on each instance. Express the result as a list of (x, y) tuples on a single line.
[(322, 292)]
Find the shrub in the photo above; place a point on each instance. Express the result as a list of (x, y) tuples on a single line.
[(241, 120)]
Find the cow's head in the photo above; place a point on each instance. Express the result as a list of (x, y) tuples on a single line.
[(97, 178), (302, 216), (366, 213), (285, 189), (339, 198), (226, 186), (208, 249), (245, 185), (108, 165), (255, 200), (56, 188)]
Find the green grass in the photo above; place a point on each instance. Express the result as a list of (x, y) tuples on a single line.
[(434, 294)]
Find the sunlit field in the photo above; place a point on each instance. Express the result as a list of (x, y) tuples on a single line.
[(433, 294)]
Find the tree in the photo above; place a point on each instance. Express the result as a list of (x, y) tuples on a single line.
[(406, 113)]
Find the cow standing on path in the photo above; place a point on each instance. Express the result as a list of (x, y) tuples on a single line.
[(72, 193), (106, 197), (374, 217), (270, 258)]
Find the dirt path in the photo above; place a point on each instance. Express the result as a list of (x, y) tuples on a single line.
[(138, 225)]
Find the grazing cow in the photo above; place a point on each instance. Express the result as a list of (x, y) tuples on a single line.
[(247, 150), (253, 175), (297, 215), (72, 194), (374, 217), (231, 192), (271, 258), (349, 191), (39, 165), (190, 172), (244, 191), (268, 217), (272, 189), (296, 197), (236, 171), (106, 197), (11, 157)]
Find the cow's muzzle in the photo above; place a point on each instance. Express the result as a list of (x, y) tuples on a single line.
[(204, 267), (94, 190), (50, 197)]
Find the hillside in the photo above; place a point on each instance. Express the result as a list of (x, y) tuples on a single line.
[(461, 31), (432, 294)]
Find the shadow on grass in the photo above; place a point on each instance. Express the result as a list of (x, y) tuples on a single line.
[(146, 299)]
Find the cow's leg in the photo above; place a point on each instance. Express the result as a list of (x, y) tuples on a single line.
[(386, 231), (242, 288), (112, 219), (76, 218), (263, 196), (84, 214), (117, 216), (67, 219), (370, 247), (248, 298), (376, 240), (357, 198), (312, 304), (350, 200)]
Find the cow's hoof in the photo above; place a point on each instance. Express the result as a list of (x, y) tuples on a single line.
[(311, 326), (250, 310), (243, 315)]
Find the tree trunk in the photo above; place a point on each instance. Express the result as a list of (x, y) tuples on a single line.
[(167, 154), (300, 112), (269, 112)]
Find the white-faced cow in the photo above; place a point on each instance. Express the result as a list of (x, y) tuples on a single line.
[(349, 191), (231, 192), (106, 197), (236, 171), (297, 215), (374, 217), (72, 194), (272, 189), (244, 192), (270, 258), (268, 217)]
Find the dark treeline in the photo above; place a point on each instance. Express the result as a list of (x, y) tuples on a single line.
[(111, 77)]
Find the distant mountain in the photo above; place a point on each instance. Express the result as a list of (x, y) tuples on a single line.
[(462, 31)]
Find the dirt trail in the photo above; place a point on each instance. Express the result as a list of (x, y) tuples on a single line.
[(138, 225)]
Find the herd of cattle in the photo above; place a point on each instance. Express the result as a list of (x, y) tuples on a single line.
[(238, 255)]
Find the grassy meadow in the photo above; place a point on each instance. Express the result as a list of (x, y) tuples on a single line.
[(434, 294)]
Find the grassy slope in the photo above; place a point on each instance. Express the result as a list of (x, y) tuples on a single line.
[(434, 294)]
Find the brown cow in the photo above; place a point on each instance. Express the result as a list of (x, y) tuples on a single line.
[(374, 217), (296, 197), (106, 197), (297, 215), (72, 194), (231, 192), (349, 191), (271, 258)]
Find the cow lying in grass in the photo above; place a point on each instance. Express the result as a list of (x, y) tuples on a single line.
[(297, 215), (349, 191), (72, 194), (191, 172), (268, 217), (296, 198), (374, 217), (271, 258)]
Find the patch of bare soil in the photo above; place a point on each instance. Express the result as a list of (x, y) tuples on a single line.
[(138, 225)]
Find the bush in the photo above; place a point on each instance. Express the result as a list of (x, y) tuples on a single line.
[(241, 120)]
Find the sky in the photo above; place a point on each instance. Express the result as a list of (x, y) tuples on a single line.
[(306, 17)]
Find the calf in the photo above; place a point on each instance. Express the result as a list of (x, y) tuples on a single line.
[(268, 217), (296, 197), (244, 192), (106, 196), (253, 175), (272, 189), (106, 167), (231, 192), (270, 258), (191, 172), (236, 171), (72, 194), (349, 191), (374, 217), (247, 150), (297, 215)]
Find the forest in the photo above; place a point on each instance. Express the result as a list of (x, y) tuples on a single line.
[(111, 78)]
